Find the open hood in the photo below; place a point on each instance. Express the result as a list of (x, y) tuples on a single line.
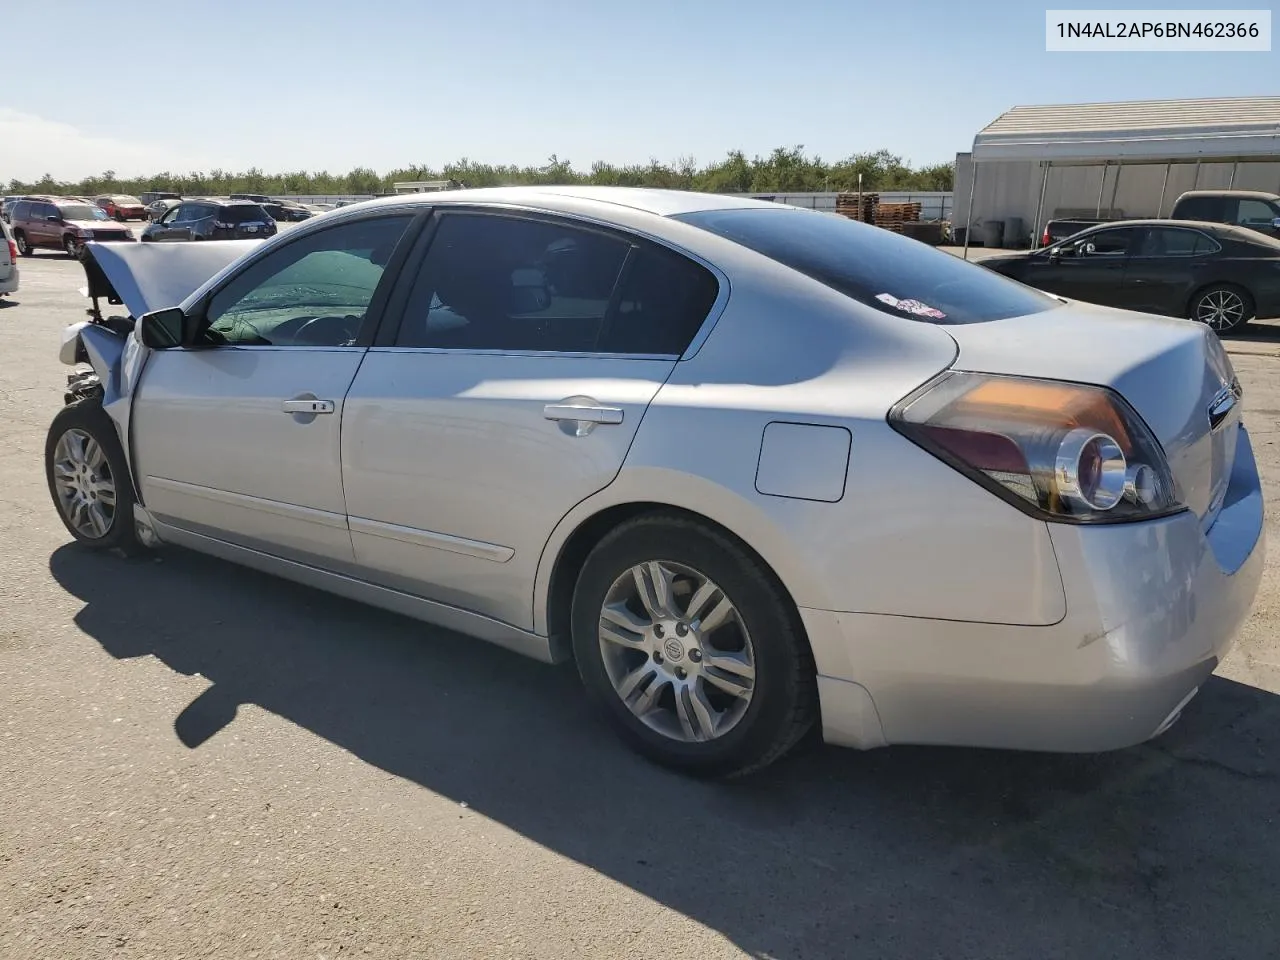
[(151, 276)]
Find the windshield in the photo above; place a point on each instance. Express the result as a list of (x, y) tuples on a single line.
[(874, 266), (81, 211)]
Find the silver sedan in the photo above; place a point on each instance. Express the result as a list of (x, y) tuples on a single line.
[(754, 469)]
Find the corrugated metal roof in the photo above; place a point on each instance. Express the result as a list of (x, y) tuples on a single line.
[(1142, 129)]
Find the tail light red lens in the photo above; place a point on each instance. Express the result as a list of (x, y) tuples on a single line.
[(1044, 241), (1066, 452), (13, 251)]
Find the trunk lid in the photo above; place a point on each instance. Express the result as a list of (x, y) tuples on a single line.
[(1174, 373)]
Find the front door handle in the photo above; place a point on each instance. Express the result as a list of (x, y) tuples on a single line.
[(307, 406), (582, 413)]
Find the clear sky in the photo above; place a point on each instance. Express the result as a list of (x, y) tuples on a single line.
[(141, 86)]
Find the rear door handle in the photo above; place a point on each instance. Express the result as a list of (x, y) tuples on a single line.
[(582, 414), (307, 406)]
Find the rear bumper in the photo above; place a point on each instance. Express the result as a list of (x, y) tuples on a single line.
[(1152, 608)]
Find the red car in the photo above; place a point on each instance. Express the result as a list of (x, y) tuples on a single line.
[(122, 207)]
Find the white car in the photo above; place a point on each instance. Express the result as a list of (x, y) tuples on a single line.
[(8, 261), (754, 468)]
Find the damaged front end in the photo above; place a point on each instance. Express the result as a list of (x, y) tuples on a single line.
[(139, 278)]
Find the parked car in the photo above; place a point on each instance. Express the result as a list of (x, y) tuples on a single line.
[(5, 205), (151, 196), (8, 261), (752, 467), (63, 224), (211, 220), (1246, 208), (254, 197), (122, 207), (1218, 274), (158, 208)]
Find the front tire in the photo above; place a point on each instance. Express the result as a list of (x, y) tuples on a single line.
[(689, 646), (69, 244), (1222, 307), (89, 479)]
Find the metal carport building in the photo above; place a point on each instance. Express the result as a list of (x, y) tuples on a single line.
[(1128, 159)]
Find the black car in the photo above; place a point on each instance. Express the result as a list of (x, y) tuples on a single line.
[(211, 220), (1218, 274)]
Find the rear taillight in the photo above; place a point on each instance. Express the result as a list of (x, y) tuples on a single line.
[(1059, 451), (13, 251), (1044, 241)]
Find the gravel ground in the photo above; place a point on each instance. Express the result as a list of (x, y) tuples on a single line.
[(201, 761)]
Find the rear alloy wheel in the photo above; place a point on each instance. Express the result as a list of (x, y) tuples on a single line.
[(24, 246), (89, 479), (690, 647), (69, 244), (1222, 307)]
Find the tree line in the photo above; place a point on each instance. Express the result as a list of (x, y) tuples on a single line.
[(785, 170)]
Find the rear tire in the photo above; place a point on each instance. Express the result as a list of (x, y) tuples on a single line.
[(1222, 307), (89, 479), (726, 685), (24, 247)]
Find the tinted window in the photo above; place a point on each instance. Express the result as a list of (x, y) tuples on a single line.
[(242, 213), (1170, 242), (876, 267), (1107, 243), (1200, 208), (1256, 213), (21, 210), (662, 303), (312, 292), (503, 283)]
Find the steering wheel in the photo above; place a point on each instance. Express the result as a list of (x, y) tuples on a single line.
[(321, 335)]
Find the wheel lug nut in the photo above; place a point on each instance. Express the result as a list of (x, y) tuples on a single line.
[(657, 630), (680, 673), (657, 657), (695, 656), (681, 629)]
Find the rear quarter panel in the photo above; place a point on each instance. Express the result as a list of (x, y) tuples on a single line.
[(907, 535)]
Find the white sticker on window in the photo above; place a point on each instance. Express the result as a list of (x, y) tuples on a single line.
[(914, 307)]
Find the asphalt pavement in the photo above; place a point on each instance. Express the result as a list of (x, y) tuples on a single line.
[(202, 761)]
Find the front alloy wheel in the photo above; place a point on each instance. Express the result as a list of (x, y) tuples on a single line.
[(69, 244), (84, 484), (676, 651), (89, 478)]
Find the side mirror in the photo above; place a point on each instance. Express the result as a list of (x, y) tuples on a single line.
[(1089, 248), (1055, 254), (1275, 224), (163, 329)]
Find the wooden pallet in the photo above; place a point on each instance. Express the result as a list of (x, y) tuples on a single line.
[(847, 205)]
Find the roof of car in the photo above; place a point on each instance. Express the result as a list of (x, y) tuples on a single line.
[(1231, 230), (1238, 194), (663, 203)]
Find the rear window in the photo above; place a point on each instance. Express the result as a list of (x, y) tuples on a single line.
[(876, 267), (242, 213)]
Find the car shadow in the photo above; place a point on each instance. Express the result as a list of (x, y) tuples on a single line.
[(1169, 849), (1266, 331)]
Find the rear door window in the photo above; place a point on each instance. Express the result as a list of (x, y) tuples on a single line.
[(878, 268), (1211, 209), (1171, 242)]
